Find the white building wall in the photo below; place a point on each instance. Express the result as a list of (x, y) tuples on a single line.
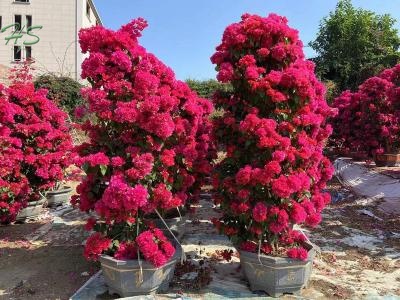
[(84, 20), (57, 50)]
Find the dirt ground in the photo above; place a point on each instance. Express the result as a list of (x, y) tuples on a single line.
[(45, 264), (359, 255)]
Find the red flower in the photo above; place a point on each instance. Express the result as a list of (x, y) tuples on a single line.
[(155, 247), (243, 176), (95, 245), (248, 246), (297, 253), (126, 251), (260, 212)]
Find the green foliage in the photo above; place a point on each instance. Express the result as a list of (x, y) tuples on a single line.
[(64, 91), (354, 44), (206, 88), (331, 90)]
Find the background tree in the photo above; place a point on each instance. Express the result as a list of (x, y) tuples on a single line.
[(206, 88), (64, 91), (354, 44)]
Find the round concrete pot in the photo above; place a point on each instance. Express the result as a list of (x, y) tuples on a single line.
[(59, 197), (122, 276), (33, 209), (276, 275)]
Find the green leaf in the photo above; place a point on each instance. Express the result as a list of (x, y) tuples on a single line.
[(103, 169)]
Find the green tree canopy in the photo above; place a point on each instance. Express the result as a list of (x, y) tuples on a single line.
[(206, 88), (64, 91), (354, 44)]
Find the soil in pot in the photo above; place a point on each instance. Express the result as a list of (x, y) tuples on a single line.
[(33, 209), (123, 276), (59, 197), (276, 275)]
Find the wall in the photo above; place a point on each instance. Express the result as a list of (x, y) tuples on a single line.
[(57, 51)]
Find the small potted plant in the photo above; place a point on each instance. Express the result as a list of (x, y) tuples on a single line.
[(138, 161), (38, 129), (273, 131), (368, 120)]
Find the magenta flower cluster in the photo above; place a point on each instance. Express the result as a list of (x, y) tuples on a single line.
[(369, 118), (274, 131), (35, 144), (149, 146)]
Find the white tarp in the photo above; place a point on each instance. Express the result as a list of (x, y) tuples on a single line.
[(370, 184)]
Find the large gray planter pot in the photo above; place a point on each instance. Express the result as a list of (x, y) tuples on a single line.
[(34, 209), (59, 197), (122, 276), (276, 275), (176, 225)]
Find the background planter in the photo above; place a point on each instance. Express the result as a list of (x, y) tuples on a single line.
[(176, 223), (59, 197), (358, 155), (276, 275), (122, 277), (34, 209), (387, 160)]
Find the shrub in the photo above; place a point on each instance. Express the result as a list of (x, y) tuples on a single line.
[(369, 119), (273, 130), (64, 91), (35, 144), (207, 88), (146, 150)]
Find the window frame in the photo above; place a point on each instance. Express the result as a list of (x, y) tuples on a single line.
[(26, 52), (14, 60), (26, 21), (20, 23)]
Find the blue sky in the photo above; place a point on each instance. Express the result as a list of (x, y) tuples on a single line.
[(184, 33)]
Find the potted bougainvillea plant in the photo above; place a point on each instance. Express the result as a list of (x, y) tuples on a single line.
[(147, 146), (35, 146), (369, 119), (273, 131)]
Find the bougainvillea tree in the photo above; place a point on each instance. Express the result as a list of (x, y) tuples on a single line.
[(35, 145), (148, 144), (273, 130), (369, 119)]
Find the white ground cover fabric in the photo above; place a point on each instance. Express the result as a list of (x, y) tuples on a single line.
[(370, 184)]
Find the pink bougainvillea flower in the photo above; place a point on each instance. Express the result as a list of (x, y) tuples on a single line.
[(273, 128)]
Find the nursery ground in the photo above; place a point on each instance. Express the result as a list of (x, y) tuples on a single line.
[(359, 255), (43, 259)]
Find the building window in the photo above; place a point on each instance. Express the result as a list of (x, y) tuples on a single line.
[(17, 53), (1, 22), (88, 9), (28, 21), (22, 1), (18, 20), (28, 52)]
